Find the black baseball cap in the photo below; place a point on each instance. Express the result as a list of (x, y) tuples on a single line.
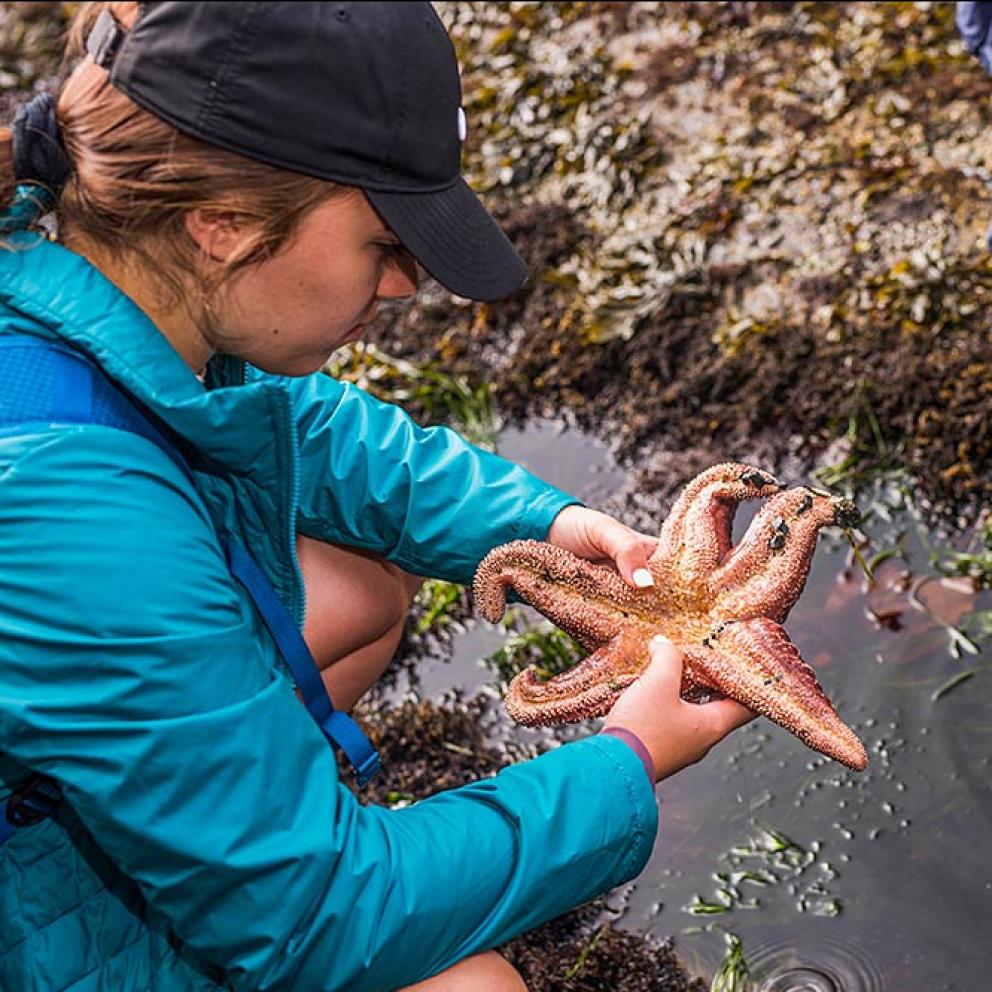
[(365, 94)]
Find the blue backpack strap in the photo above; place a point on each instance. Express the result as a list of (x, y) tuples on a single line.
[(337, 727), (45, 383)]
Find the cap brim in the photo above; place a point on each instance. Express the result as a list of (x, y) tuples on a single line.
[(453, 237)]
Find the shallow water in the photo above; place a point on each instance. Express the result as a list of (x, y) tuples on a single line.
[(835, 881)]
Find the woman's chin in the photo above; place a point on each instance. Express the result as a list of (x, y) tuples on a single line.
[(292, 367)]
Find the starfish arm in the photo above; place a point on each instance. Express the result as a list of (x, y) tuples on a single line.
[(765, 573), (696, 662), (591, 602), (697, 533), (589, 689), (755, 663)]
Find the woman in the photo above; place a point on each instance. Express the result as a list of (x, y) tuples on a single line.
[(236, 187)]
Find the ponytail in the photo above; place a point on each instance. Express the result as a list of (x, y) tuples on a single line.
[(36, 164)]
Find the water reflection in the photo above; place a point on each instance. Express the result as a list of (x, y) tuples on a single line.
[(901, 878)]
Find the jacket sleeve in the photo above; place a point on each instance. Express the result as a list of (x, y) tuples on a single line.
[(423, 498), (132, 671)]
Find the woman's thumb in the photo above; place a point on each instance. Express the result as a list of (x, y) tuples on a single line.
[(664, 673)]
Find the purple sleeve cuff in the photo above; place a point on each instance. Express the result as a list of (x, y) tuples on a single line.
[(637, 746)]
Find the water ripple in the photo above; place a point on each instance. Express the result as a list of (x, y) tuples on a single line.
[(828, 966)]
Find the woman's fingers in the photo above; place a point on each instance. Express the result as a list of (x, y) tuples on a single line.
[(627, 549), (663, 676), (597, 536), (726, 715), (675, 733)]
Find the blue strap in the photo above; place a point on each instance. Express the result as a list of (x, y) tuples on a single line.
[(337, 727), (44, 382)]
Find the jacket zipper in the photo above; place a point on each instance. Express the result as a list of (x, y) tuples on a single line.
[(299, 605)]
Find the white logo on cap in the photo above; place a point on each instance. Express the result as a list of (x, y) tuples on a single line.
[(462, 124)]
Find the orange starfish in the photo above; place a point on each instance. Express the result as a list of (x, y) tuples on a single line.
[(723, 605)]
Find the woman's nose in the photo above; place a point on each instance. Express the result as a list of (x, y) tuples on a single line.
[(400, 278)]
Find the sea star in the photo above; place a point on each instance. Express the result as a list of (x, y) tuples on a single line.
[(723, 605)]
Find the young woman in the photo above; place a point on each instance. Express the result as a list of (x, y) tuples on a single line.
[(236, 187)]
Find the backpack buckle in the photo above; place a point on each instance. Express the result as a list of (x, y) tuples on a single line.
[(367, 770), (33, 802)]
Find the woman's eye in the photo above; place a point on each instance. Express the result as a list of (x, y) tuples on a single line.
[(392, 249)]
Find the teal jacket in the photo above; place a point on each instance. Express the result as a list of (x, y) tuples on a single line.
[(205, 841)]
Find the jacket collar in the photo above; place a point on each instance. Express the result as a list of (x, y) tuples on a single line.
[(73, 300), (65, 297)]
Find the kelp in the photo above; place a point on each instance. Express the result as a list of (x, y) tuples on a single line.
[(746, 225)]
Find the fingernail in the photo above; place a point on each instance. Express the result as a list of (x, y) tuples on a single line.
[(660, 640), (643, 578)]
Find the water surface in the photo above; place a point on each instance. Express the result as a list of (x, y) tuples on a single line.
[(879, 881)]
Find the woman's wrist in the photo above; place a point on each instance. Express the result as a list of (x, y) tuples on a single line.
[(637, 746)]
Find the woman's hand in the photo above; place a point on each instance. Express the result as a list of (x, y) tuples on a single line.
[(675, 733), (598, 537)]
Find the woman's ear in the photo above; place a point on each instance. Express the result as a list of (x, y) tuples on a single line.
[(218, 235)]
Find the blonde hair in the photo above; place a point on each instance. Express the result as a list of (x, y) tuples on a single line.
[(135, 177)]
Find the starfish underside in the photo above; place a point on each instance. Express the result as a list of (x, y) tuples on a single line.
[(723, 604)]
